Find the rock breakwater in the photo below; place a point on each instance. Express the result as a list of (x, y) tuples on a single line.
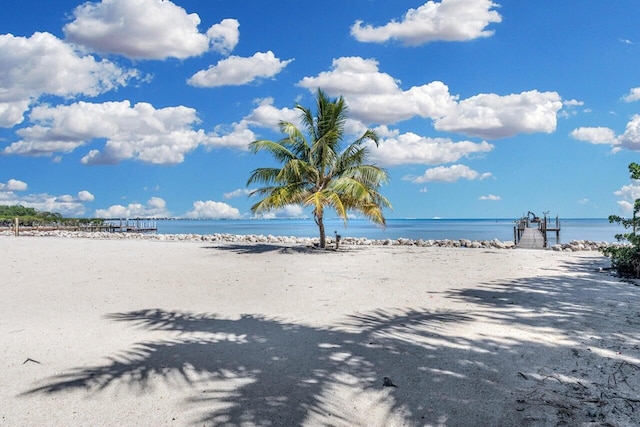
[(573, 246)]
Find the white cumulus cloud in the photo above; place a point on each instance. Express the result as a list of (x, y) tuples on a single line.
[(64, 204), (85, 196), (142, 132), (237, 193), (448, 20), (238, 136), (289, 211), (146, 29), (376, 97), (13, 185), (490, 197), (353, 76), (409, 148), (630, 139), (44, 65), (236, 70), (212, 210), (495, 116), (224, 36), (595, 135), (266, 115), (628, 193), (448, 174), (154, 208), (633, 95)]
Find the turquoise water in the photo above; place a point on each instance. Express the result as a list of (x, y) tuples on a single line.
[(436, 229)]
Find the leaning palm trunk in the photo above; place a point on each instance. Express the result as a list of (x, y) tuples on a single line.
[(316, 173), (321, 230)]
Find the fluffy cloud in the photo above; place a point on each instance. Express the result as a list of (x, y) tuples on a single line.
[(410, 148), (44, 65), (630, 139), (628, 193), (159, 136), (236, 71), (376, 97), (289, 211), (13, 185), (65, 204), (494, 116), (633, 95), (353, 76), (383, 101), (154, 208), (238, 136), (449, 20), (573, 103), (224, 36), (212, 210), (448, 174), (268, 116), (146, 29), (490, 197), (85, 196), (140, 132), (237, 193), (595, 135), (82, 197)]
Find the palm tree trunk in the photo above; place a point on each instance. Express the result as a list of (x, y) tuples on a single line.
[(323, 239)]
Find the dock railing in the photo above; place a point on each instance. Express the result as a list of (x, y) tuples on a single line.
[(545, 225)]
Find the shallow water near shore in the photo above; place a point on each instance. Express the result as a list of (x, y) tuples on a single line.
[(598, 229)]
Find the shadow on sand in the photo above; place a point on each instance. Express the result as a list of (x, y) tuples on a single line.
[(261, 248), (263, 371)]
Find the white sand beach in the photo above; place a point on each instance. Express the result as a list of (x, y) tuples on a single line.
[(141, 332)]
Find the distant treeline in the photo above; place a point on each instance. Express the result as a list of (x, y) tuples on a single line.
[(31, 216)]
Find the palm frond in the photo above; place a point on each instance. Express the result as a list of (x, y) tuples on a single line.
[(278, 150), (368, 135), (279, 197), (370, 175), (295, 140), (319, 199), (316, 172), (297, 170), (373, 213), (354, 155), (333, 199), (306, 116), (263, 176)]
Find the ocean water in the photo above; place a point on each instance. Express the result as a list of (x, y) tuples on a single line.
[(437, 229)]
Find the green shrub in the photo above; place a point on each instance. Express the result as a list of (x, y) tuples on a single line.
[(625, 258), (32, 217)]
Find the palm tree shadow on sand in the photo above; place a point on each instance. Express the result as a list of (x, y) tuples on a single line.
[(266, 371), (263, 371)]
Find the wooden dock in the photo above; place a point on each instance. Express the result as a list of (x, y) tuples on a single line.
[(531, 238), (532, 232)]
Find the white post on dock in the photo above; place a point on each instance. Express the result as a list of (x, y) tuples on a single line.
[(17, 230)]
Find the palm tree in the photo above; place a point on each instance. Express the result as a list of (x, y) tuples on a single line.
[(316, 173)]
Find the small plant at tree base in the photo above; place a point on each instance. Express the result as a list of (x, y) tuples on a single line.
[(625, 259)]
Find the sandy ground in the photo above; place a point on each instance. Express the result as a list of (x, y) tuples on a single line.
[(130, 333)]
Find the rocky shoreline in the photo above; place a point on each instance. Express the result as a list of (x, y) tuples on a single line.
[(572, 246)]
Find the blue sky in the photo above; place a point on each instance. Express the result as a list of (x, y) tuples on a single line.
[(485, 109)]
